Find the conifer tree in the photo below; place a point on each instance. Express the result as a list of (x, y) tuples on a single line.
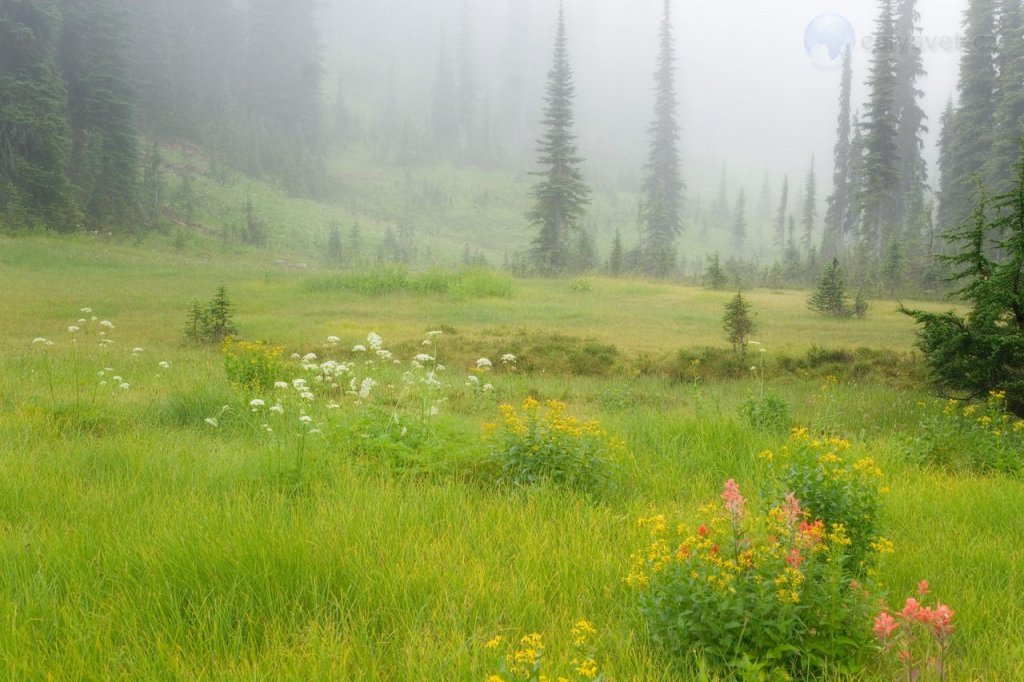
[(1009, 115), (616, 261), (739, 223), (780, 215), (841, 201), (764, 207), (444, 119), (830, 296), (947, 183), (879, 193), (738, 323), (913, 172), (561, 196), (467, 90), (809, 216), (663, 188), (714, 276), (970, 141)]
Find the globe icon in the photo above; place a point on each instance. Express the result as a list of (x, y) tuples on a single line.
[(827, 38)]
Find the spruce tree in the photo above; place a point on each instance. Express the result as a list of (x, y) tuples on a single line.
[(663, 188), (840, 202), (616, 261), (947, 182), (1009, 115), (764, 207), (739, 223), (970, 142), (809, 217), (780, 215), (879, 193), (561, 197), (830, 296), (738, 323), (714, 276), (913, 172)]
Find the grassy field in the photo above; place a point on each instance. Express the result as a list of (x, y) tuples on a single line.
[(138, 541)]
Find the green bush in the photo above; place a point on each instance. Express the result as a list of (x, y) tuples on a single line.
[(770, 412)]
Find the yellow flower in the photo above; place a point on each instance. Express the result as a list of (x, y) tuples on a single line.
[(582, 632), (588, 668), (883, 546), (494, 643)]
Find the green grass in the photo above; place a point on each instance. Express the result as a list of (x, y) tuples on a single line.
[(138, 542)]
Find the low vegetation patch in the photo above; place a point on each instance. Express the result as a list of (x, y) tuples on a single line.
[(469, 284)]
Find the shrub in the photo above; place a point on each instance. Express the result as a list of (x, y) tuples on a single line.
[(543, 445), (252, 365), (979, 437), (765, 592), (840, 493)]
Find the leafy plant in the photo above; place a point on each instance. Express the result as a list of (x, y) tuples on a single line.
[(527, 660), (542, 444), (753, 592), (252, 365)]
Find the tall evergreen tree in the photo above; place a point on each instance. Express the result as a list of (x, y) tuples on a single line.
[(879, 193), (34, 135), (739, 223), (913, 171), (764, 207), (1009, 116), (467, 89), (946, 180), (781, 213), (970, 141), (809, 217), (616, 261), (561, 197), (663, 188), (853, 217), (841, 201)]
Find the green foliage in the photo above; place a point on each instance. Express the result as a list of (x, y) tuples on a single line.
[(983, 351), (830, 296), (212, 323), (973, 437), (542, 445), (252, 365), (738, 323), (768, 412), (842, 494), (761, 594)]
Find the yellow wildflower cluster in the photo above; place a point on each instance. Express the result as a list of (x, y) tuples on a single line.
[(528, 660), (252, 364)]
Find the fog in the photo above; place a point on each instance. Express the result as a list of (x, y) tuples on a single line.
[(751, 98)]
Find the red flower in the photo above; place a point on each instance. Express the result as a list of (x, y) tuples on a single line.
[(885, 625), (702, 531)]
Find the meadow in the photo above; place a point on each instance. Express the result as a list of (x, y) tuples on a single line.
[(156, 522)]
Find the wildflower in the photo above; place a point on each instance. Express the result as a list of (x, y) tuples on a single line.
[(164, 364), (473, 380), (922, 588), (365, 387), (359, 348), (124, 386), (434, 333), (383, 354), (488, 388), (74, 329), (256, 403), (942, 620), (87, 311), (375, 341), (306, 419), (137, 350), (280, 384), (734, 501), (885, 625), (582, 631), (588, 669), (307, 395), (333, 340), (793, 558), (107, 324), (793, 511), (484, 364), (277, 408), (423, 358), (494, 643), (508, 359), (212, 421), (38, 339), (911, 609), (309, 357), (299, 384)]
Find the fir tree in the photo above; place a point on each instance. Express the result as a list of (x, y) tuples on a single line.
[(738, 323), (830, 296), (913, 172), (984, 350), (561, 197), (970, 138), (739, 223), (334, 249), (780, 215), (764, 207), (879, 193), (841, 201), (714, 276), (467, 90), (947, 182), (616, 261), (663, 188), (810, 210), (1009, 115)]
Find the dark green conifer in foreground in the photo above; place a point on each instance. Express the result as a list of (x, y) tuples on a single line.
[(830, 296)]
